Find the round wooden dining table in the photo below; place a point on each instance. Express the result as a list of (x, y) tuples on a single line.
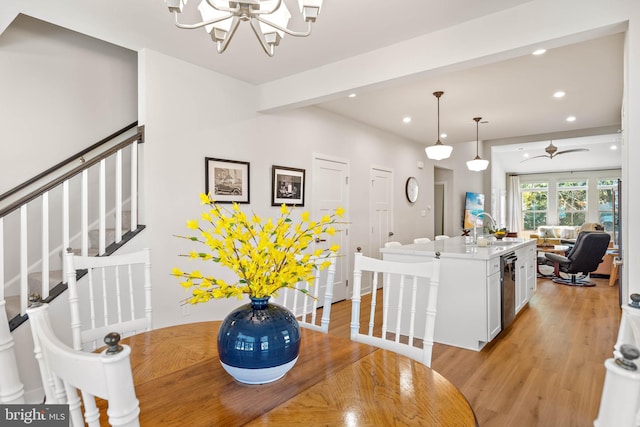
[(336, 382)]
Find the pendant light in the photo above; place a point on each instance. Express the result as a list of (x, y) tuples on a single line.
[(477, 164), (438, 151)]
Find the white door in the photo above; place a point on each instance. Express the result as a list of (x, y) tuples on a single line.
[(381, 209), (330, 190)]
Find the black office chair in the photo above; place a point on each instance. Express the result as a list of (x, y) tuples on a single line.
[(584, 257)]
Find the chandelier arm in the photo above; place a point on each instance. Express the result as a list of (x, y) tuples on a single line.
[(255, 26), (286, 30), (198, 25), (263, 12), (222, 46), (223, 9)]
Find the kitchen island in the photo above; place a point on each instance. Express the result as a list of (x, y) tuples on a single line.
[(470, 298)]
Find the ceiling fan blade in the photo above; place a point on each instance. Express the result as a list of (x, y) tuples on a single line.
[(573, 150), (535, 157)]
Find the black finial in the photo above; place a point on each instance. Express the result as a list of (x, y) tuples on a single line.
[(359, 249), (635, 300), (35, 300), (112, 339), (629, 354), (438, 255)]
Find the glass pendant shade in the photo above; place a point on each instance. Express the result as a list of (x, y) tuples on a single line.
[(477, 164), (438, 151)]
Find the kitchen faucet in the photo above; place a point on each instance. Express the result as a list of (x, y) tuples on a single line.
[(484, 214)]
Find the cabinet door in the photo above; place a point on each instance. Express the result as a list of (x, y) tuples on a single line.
[(532, 278), (494, 309)]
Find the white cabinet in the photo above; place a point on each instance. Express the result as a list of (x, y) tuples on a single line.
[(525, 275), (469, 309), (494, 306)]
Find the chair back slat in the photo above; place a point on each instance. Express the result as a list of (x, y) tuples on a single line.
[(406, 323), (305, 307), (114, 296)]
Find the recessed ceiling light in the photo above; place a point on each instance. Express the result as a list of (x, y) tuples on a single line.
[(443, 135), (352, 95), (406, 119), (539, 51), (559, 94), (571, 118), (614, 147), (525, 155)]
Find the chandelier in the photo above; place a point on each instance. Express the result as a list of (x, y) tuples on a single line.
[(477, 164), (438, 151), (268, 19)]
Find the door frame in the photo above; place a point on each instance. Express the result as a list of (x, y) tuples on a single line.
[(445, 207)]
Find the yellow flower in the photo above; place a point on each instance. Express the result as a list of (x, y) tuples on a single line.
[(265, 256)]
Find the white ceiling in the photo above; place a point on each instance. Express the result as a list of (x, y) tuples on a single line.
[(514, 96)]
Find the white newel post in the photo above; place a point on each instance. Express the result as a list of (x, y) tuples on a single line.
[(11, 388), (621, 392)]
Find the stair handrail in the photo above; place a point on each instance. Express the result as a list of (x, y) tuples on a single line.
[(85, 164)]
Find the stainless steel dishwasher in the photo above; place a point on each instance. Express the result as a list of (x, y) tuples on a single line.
[(508, 288)]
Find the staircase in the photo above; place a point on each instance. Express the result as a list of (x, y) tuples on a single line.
[(87, 203)]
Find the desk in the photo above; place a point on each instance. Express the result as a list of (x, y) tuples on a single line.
[(179, 382)]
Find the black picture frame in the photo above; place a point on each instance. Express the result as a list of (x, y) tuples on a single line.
[(228, 181), (287, 186)]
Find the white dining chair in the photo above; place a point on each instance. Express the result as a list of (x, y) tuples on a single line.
[(392, 244), (305, 300), (406, 323), (421, 240), (441, 237), (65, 372), (108, 294)]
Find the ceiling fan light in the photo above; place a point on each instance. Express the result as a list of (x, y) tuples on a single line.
[(477, 164), (438, 151)]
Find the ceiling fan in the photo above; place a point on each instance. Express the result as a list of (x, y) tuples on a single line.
[(552, 151)]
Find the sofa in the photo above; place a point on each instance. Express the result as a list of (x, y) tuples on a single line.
[(569, 232)]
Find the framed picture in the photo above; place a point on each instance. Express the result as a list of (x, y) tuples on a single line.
[(287, 186), (227, 180)]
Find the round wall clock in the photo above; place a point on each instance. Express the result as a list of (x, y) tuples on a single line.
[(411, 189)]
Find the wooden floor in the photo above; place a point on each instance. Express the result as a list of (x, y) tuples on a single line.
[(546, 369)]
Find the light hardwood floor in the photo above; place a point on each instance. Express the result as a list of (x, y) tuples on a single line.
[(545, 370)]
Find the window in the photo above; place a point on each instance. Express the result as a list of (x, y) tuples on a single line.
[(607, 199), (572, 202), (534, 204)]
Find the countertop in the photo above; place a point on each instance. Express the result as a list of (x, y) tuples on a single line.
[(456, 248)]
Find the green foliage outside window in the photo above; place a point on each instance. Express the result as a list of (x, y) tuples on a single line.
[(572, 202), (534, 204)]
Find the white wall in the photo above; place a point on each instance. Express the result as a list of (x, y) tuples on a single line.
[(61, 92), (185, 123)]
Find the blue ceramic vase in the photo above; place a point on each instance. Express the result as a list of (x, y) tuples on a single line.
[(259, 342)]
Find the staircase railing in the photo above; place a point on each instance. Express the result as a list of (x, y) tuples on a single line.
[(89, 203)]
